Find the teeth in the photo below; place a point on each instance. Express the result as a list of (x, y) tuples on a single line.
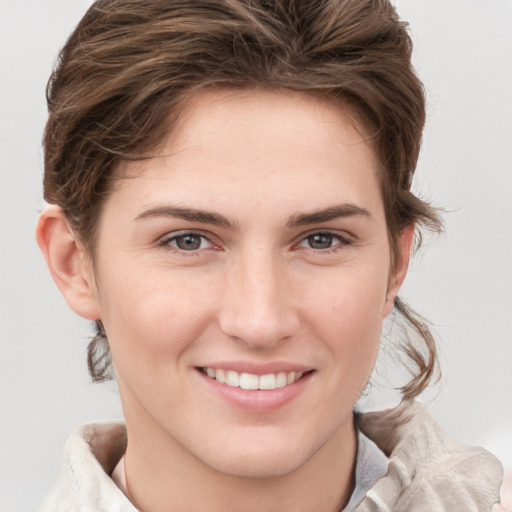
[(248, 381), (267, 381), (251, 381), (233, 379), (281, 380)]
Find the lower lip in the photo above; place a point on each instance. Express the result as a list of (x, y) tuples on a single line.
[(256, 400)]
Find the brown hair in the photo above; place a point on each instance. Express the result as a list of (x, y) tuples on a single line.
[(130, 65)]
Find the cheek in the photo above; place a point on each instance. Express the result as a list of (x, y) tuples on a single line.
[(347, 313), (148, 315), (353, 295)]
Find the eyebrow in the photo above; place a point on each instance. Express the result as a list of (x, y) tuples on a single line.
[(296, 220), (327, 214), (190, 214)]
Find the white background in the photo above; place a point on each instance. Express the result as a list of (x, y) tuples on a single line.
[(461, 282)]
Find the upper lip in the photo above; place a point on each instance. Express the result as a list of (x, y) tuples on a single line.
[(257, 368)]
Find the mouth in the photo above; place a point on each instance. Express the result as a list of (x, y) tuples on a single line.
[(250, 381)]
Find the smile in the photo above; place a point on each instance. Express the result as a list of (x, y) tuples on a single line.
[(251, 381)]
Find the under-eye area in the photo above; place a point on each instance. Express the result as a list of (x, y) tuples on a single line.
[(252, 381)]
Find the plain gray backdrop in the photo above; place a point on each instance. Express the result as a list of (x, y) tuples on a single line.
[(462, 282)]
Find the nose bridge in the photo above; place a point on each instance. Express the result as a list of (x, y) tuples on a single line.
[(258, 305)]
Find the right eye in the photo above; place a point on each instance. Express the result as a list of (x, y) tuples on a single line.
[(187, 242), (321, 241)]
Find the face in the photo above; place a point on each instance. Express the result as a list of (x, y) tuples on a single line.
[(242, 276)]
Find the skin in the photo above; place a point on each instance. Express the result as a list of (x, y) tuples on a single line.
[(258, 289)]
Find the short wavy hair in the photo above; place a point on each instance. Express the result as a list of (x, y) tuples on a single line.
[(130, 65)]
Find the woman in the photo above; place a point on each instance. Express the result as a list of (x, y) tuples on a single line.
[(232, 207)]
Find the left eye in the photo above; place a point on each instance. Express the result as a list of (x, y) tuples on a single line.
[(188, 242), (321, 241)]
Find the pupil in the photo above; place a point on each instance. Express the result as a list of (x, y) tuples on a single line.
[(188, 242), (320, 241)]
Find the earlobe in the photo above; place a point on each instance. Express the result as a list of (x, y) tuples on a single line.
[(398, 273), (67, 263)]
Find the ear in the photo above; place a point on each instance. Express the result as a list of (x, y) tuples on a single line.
[(68, 263), (399, 271)]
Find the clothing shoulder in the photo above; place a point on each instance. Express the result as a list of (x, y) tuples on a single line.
[(428, 470), (84, 484)]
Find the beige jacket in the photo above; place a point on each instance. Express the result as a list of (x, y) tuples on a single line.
[(428, 471)]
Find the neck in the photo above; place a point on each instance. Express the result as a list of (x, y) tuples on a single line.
[(159, 471)]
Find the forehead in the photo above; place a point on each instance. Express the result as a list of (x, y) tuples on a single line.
[(265, 118), (283, 146)]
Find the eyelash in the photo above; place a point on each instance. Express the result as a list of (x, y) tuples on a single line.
[(342, 242), (165, 242)]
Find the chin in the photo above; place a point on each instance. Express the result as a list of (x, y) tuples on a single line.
[(260, 457), (261, 466)]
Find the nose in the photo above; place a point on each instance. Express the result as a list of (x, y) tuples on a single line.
[(258, 304)]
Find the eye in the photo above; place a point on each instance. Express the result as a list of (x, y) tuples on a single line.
[(320, 240), (323, 241), (188, 242)]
